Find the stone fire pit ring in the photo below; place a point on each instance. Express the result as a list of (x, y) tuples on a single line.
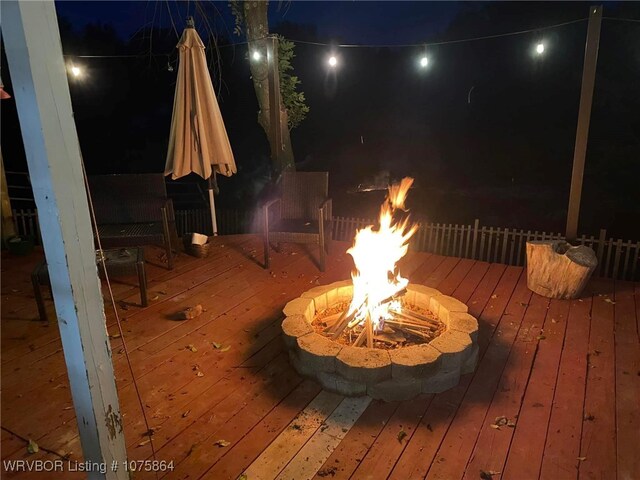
[(390, 375)]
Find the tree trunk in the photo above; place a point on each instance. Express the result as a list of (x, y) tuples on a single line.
[(257, 29), (555, 269)]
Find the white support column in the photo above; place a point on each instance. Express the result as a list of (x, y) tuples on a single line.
[(34, 52)]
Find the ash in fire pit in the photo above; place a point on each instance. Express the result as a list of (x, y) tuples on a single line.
[(378, 334)]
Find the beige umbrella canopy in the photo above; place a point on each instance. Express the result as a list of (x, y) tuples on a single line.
[(198, 140)]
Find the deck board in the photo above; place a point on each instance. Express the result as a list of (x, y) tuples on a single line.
[(567, 375), (598, 446), (627, 356)]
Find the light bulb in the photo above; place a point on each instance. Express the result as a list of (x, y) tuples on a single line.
[(76, 71), (424, 61), (256, 55), (333, 61), (540, 48)]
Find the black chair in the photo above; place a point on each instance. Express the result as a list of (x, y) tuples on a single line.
[(304, 213), (133, 210)]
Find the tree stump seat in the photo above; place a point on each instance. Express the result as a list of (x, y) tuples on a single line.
[(557, 269)]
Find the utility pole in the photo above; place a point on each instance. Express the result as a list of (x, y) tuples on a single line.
[(275, 119), (584, 117)]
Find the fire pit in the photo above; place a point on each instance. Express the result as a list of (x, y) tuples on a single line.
[(389, 374), (378, 334)]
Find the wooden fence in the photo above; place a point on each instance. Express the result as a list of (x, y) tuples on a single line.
[(617, 259)]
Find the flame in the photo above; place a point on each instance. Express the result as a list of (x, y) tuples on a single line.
[(376, 254)]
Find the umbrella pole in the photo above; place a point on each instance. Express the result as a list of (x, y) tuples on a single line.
[(212, 204)]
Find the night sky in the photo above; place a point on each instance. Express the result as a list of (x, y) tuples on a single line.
[(488, 130), (351, 22)]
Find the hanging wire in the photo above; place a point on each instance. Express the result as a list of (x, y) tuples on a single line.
[(149, 431), (362, 45), (388, 45), (620, 19)]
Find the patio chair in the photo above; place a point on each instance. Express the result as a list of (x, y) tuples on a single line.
[(133, 210), (304, 215)]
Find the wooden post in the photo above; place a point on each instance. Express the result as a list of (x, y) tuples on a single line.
[(34, 53), (8, 229), (275, 121), (584, 117)]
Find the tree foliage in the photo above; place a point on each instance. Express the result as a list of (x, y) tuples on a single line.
[(292, 97)]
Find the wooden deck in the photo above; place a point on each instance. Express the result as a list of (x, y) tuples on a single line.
[(566, 373)]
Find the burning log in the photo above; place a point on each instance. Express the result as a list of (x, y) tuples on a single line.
[(368, 325), (342, 323), (399, 322), (361, 338), (412, 317), (344, 320)]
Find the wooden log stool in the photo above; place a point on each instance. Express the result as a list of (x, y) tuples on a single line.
[(556, 269), (118, 262)]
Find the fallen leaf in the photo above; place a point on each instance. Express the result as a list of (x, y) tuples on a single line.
[(221, 443), (488, 475), (608, 300), (199, 374), (224, 349), (32, 447), (401, 435), (144, 442), (329, 471), (186, 414), (582, 459), (115, 335), (589, 418), (495, 426), (154, 298), (494, 296), (541, 337), (191, 347), (500, 421), (511, 424), (243, 477), (216, 345)]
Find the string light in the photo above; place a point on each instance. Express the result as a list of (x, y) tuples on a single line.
[(423, 62), (75, 71)]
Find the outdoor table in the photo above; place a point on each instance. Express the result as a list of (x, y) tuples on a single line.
[(118, 262)]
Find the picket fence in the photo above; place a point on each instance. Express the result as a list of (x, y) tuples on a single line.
[(617, 259)]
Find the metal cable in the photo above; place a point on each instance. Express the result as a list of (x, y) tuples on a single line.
[(149, 431)]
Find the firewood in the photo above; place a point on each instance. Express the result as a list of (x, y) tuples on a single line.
[(556, 269), (342, 323), (368, 325), (361, 338), (423, 334), (399, 318), (411, 315)]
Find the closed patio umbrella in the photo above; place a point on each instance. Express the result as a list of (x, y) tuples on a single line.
[(198, 140)]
